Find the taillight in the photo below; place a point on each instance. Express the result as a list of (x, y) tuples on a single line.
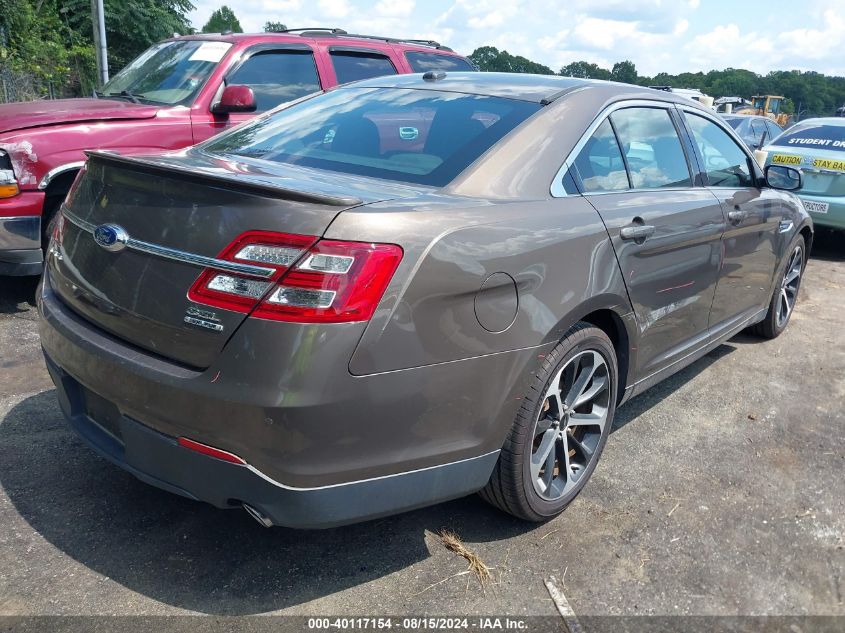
[(241, 293), (323, 282)]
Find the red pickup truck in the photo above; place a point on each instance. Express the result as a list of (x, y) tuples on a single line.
[(177, 93)]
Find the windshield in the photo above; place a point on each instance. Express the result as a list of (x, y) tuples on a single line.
[(170, 73), (734, 122), (419, 136), (814, 136)]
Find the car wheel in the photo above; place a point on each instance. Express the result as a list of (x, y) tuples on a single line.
[(560, 430), (785, 295), (48, 221)]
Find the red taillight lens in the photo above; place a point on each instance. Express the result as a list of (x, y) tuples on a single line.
[(335, 282), (323, 282), (241, 293)]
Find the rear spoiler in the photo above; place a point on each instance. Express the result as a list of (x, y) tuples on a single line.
[(241, 182)]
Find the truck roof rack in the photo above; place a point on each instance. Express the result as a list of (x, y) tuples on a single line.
[(320, 31)]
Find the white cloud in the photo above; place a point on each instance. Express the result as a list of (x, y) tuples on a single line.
[(395, 8), (657, 35), (333, 9)]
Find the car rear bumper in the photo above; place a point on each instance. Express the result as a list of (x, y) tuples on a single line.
[(323, 447), (158, 459), (20, 245)]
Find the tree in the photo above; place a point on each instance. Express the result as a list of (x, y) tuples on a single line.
[(274, 27), (222, 19), (132, 26), (624, 72), (585, 70), (491, 59)]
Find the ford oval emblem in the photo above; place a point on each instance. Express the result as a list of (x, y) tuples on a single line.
[(111, 237)]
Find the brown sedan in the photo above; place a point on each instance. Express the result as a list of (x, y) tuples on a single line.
[(409, 289)]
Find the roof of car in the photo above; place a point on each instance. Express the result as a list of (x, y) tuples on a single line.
[(331, 36), (525, 87), (830, 120)]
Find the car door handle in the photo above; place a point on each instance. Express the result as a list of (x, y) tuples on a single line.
[(737, 215), (637, 232)]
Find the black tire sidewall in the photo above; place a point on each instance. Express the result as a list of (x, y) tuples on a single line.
[(594, 340)]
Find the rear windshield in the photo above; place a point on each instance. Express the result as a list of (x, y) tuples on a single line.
[(423, 62), (418, 136), (814, 136)]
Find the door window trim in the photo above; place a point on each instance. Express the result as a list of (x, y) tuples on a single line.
[(757, 173), (258, 49), (557, 188)]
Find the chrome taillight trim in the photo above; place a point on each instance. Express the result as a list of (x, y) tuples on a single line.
[(185, 257)]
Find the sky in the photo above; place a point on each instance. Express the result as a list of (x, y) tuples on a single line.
[(657, 35)]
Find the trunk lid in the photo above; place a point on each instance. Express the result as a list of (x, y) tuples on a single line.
[(193, 204)]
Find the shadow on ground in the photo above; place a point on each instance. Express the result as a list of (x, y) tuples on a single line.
[(828, 245), (17, 294), (196, 557)]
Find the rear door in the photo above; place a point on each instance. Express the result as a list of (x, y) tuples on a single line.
[(276, 76), (753, 216), (665, 230)]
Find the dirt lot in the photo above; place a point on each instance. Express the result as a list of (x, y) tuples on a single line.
[(722, 491)]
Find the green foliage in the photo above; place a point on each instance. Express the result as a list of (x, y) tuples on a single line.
[(222, 19), (624, 72), (51, 41), (274, 27), (585, 70), (491, 59)]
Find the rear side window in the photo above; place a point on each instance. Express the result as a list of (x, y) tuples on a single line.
[(423, 62), (420, 136), (600, 164), (652, 148), (354, 66), (726, 164), (815, 136), (277, 77)]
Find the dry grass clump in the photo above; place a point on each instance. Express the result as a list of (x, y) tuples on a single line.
[(453, 543)]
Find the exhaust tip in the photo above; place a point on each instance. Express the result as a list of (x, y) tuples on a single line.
[(259, 516)]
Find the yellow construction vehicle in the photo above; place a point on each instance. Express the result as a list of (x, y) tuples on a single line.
[(767, 106)]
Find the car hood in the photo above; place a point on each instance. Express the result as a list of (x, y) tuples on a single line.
[(19, 116)]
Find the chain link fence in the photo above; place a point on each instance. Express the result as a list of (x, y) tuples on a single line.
[(21, 86)]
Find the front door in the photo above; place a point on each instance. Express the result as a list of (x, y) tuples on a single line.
[(753, 217), (665, 231), (276, 76)]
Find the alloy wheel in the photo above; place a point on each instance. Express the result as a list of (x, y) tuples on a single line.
[(569, 427), (789, 286)]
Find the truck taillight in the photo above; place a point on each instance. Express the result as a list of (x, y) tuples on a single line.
[(314, 281)]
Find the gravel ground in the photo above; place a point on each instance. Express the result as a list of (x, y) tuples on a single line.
[(721, 492)]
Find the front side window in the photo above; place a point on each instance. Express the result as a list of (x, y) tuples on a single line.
[(171, 73), (354, 66), (725, 163), (419, 136), (652, 148), (423, 62), (599, 164), (277, 77)]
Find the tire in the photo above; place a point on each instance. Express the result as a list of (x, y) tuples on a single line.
[(541, 495), (48, 220), (774, 322)]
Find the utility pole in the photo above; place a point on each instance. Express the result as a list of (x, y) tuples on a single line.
[(98, 18)]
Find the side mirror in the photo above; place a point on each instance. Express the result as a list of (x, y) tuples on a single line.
[(783, 178), (235, 99)]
